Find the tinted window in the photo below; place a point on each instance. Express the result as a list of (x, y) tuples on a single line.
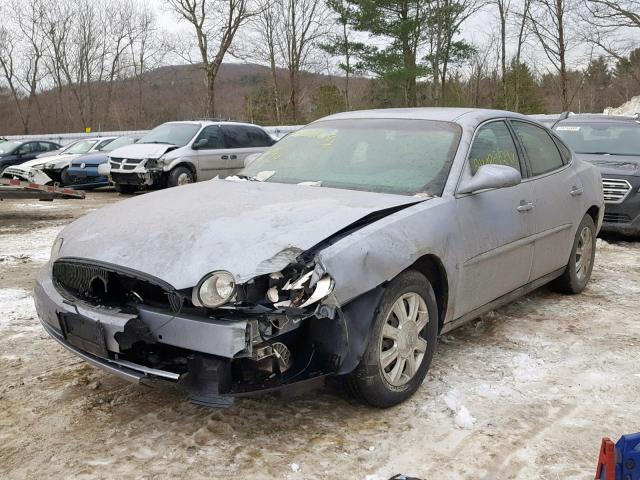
[(377, 155), (493, 145), (541, 150), (27, 148), (46, 147), (241, 136), (213, 136)]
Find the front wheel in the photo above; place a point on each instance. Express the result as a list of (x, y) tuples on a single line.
[(65, 178), (402, 343), (180, 176), (578, 271)]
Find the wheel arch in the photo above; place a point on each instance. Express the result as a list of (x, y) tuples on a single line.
[(594, 213), (187, 164), (432, 267)]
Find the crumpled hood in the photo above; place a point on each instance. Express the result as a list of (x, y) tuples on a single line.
[(248, 228), (141, 150), (614, 164)]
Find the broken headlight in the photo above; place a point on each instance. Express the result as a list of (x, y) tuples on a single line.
[(215, 289), (300, 292)]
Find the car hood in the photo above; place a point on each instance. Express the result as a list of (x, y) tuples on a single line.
[(248, 228), (90, 159), (614, 164), (142, 150), (42, 160)]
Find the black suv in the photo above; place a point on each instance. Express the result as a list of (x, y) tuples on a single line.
[(612, 144)]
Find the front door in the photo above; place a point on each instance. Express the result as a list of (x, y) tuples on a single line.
[(496, 224)]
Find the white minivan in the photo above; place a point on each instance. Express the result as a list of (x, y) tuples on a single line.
[(178, 153)]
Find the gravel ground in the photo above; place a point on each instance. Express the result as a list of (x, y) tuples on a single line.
[(525, 392)]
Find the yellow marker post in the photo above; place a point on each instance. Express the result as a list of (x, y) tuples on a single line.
[(87, 130)]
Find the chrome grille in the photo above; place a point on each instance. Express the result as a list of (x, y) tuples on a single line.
[(615, 190), (616, 218)]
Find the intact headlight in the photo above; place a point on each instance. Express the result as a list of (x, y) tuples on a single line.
[(216, 289)]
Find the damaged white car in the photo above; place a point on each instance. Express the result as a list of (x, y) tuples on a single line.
[(344, 250)]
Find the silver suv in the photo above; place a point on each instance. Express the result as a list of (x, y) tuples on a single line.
[(178, 153)]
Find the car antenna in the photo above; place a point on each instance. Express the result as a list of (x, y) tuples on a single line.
[(563, 116)]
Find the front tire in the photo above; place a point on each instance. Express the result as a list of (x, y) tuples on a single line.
[(578, 271), (65, 178), (402, 343), (180, 176)]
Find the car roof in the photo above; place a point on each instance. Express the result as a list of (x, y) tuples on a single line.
[(214, 122), (597, 118), (468, 117)]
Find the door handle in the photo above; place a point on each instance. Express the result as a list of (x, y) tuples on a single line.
[(525, 206), (233, 157), (575, 191), (225, 157)]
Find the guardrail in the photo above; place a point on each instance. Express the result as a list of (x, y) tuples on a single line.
[(66, 138)]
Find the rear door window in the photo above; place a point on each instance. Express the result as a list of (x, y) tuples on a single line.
[(541, 150), (243, 136), (493, 145)]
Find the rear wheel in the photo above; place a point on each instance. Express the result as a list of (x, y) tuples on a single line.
[(578, 271), (180, 176), (124, 188), (402, 343)]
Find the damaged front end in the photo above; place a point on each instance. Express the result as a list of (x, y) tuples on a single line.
[(217, 339)]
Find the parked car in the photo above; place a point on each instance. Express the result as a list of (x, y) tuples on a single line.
[(16, 152), (177, 153), (57, 168), (370, 233), (33, 170), (612, 144), (83, 170)]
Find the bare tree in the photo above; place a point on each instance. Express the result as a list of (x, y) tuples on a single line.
[(613, 23), (550, 23), (215, 23), (302, 24), (267, 27)]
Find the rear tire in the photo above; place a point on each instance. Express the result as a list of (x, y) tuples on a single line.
[(125, 189), (399, 352), (578, 271), (180, 176)]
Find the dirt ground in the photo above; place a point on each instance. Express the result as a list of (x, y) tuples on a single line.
[(526, 392)]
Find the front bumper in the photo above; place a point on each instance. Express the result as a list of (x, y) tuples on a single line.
[(86, 176), (222, 339), (624, 218), (31, 175)]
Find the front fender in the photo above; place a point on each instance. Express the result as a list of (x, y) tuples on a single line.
[(167, 167)]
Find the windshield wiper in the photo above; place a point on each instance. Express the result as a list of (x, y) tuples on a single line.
[(159, 142)]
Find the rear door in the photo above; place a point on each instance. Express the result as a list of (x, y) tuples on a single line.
[(28, 151), (244, 140), (557, 193), (497, 224)]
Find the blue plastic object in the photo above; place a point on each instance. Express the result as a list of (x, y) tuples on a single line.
[(628, 457)]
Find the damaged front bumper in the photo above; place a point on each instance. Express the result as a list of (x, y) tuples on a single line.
[(139, 174), (208, 357)]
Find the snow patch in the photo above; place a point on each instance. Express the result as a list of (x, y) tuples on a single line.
[(629, 108), (18, 248), (462, 418)]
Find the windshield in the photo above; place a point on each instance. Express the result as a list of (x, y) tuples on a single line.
[(602, 138), (8, 147), (172, 134), (83, 146), (377, 155), (117, 143)]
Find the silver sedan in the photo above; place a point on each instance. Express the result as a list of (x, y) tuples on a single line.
[(344, 250)]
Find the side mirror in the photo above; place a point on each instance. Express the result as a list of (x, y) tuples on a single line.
[(203, 142), (491, 176)]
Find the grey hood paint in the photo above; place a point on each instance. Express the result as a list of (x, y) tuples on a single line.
[(248, 228), (614, 164)]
